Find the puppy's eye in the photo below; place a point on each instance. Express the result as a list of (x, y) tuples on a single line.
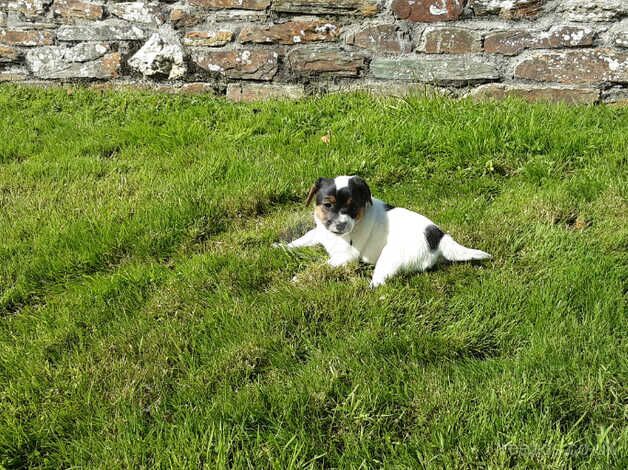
[(327, 205)]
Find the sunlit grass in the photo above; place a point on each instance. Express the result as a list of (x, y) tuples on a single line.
[(145, 319)]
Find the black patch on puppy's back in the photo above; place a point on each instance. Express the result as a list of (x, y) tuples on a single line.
[(388, 207), (433, 235)]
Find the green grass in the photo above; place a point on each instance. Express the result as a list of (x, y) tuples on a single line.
[(145, 320)]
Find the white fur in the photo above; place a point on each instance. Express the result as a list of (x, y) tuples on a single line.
[(341, 182), (394, 241)]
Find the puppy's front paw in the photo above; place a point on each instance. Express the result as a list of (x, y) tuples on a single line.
[(280, 245), (337, 262), (375, 283)]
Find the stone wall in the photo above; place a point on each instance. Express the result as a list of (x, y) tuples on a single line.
[(571, 50)]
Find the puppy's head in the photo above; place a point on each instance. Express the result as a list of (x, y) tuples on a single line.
[(340, 202)]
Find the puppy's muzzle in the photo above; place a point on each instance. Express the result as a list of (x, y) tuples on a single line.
[(340, 227)]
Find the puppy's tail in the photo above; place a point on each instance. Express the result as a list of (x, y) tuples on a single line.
[(453, 251)]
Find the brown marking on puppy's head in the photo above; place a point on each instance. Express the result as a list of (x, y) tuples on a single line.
[(358, 208), (313, 190), (321, 214), (340, 202)]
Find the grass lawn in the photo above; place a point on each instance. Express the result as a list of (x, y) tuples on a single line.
[(145, 319)]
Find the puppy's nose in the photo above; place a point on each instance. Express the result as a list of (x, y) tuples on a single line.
[(341, 226)]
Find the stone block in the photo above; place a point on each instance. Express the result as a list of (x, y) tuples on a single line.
[(184, 16), (291, 32), (619, 34), (108, 30), (78, 9), (440, 69), (246, 64), (231, 16), (85, 52), (516, 41), (507, 9), (207, 38), (27, 38), (30, 9), (313, 60), (385, 88), (428, 10), (56, 62), (9, 53), (616, 95), (534, 93), (137, 12), (576, 67), (235, 4), (197, 88), (593, 10), (450, 40), (14, 74), (247, 92), (161, 55), (384, 38), (330, 7)]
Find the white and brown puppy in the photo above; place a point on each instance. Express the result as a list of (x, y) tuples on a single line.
[(352, 225)]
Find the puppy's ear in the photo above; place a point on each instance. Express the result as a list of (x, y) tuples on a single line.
[(358, 185), (313, 190)]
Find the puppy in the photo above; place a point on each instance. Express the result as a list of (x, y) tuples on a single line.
[(352, 225)]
